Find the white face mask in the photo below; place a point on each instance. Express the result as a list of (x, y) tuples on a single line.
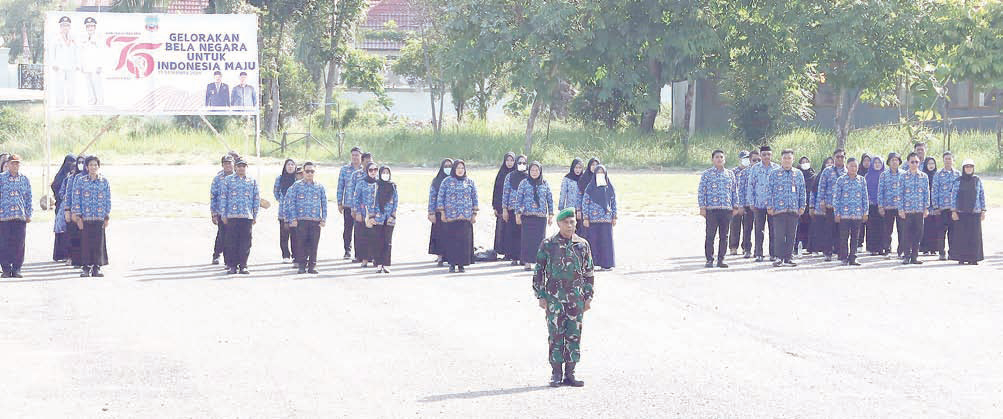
[(746, 162), (601, 181), (805, 166), (385, 177), (447, 170), (521, 167)]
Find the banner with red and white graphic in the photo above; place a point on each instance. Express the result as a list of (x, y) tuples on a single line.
[(151, 64)]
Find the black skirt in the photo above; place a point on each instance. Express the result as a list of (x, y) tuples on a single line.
[(364, 242), (601, 241), (818, 222), (513, 238), (384, 235), (933, 234), (436, 237), (93, 249), (875, 230), (804, 229), (533, 231), (460, 242), (73, 237), (499, 246), (966, 238)]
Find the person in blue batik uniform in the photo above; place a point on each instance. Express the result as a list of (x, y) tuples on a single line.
[(785, 202), (381, 214), (436, 237), (513, 231), (215, 195), (717, 197), (599, 215), (498, 205), (968, 209), (358, 177), (91, 209), (240, 201), (742, 222), (457, 202), (828, 228), (344, 179), (756, 195), (282, 184), (890, 202), (306, 211), (15, 213), (915, 208), (850, 205), (534, 211), (940, 201), (61, 244), (364, 196)]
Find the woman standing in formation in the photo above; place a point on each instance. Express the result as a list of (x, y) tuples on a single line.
[(282, 184), (457, 202), (581, 229), (599, 217), (569, 186), (365, 196), (803, 236), (875, 223), (382, 216), (819, 217), (968, 209), (933, 226), (513, 231), (72, 228), (890, 203), (534, 212), (15, 214), (91, 209), (862, 171), (498, 204), (437, 238), (61, 246)]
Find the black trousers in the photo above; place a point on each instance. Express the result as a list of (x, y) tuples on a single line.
[(285, 239), (238, 242), (945, 217), (349, 224), (384, 236), (912, 228), (217, 248), (307, 239), (92, 244), (892, 221), (718, 221), (741, 230), (763, 221), (849, 237), (828, 233), (786, 227), (12, 253)]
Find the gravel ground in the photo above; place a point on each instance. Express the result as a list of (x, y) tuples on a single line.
[(167, 335)]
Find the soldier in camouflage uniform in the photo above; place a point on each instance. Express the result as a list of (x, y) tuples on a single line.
[(563, 284)]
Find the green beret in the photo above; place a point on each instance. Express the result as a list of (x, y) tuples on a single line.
[(566, 213)]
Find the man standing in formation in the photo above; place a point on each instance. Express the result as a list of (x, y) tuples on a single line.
[(756, 198), (718, 201), (307, 213), (822, 202), (940, 196), (850, 206), (563, 284), (786, 201), (344, 180), (915, 208), (239, 211), (741, 223), (215, 202), (15, 213)]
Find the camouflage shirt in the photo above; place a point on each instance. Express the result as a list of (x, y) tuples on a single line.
[(564, 269)]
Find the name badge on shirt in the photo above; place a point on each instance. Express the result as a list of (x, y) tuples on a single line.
[(793, 189)]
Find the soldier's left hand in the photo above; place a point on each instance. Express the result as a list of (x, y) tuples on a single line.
[(983, 216), (614, 222), (27, 220), (322, 224), (588, 305), (550, 221)]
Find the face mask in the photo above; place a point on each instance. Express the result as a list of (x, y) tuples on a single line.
[(745, 162), (521, 167), (447, 170), (385, 177), (805, 166), (601, 181)]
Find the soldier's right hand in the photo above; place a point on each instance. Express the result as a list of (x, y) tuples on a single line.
[(543, 303), (431, 218), (215, 221)]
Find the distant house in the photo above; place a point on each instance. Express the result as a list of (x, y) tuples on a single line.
[(175, 6), (711, 112), (380, 33)]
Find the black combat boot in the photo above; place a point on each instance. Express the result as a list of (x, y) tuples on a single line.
[(569, 376), (302, 269), (556, 375)]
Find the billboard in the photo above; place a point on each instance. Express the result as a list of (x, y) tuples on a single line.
[(151, 64)]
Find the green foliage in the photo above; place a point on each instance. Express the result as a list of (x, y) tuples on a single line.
[(365, 71), (21, 17)]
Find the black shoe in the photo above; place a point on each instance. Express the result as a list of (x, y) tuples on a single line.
[(916, 262), (348, 255), (777, 263), (441, 263), (5, 274), (773, 258), (461, 269), (746, 255), (828, 258), (215, 260), (854, 263), (709, 264), (385, 270), (452, 268), (974, 262), (905, 261), (301, 270), (231, 270), (721, 264), (312, 271), (243, 271), (846, 263), (556, 375), (759, 258), (943, 257), (790, 263), (16, 273), (96, 272), (569, 376), (85, 271)]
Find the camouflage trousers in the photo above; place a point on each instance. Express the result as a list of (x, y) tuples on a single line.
[(564, 326)]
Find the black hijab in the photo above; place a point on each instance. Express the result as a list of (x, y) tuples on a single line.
[(807, 174), (367, 177), (437, 180), (518, 176), (385, 189), (967, 194), (571, 172), (499, 190), (287, 179), (535, 182), (458, 162), (930, 173), (586, 177), (602, 195), (69, 163), (863, 170)]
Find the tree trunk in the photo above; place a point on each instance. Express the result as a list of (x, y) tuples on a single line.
[(999, 131), (431, 82), (272, 120), (837, 122), (691, 112), (329, 93), (482, 100), (844, 115), (533, 113), (654, 102), (442, 103)]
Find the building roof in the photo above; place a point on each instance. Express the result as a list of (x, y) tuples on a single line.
[(175, 6), (380, 12)]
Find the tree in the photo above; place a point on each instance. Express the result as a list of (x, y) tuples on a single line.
[(21, 19), (418, 63), (365, 71), (343, 15), (277, 20)]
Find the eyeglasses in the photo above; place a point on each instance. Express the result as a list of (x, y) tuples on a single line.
[(840, 156), (308, 171), (373, 170), (913, 161)]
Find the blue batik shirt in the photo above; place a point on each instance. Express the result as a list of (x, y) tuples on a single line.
[(526, 205), (458, 198), (92, 198), (358, 178), (742, 182), (915, 192), (890, 189), (596, 212), (15, 197), (786, 191), (385, 215), (943, 183), (306, 201), (825, 181), (344, 180), (509, 198), (758, 188), (215, 193), (364, 195), (569, 194), (718, 189), (241, 197), (849, 197)]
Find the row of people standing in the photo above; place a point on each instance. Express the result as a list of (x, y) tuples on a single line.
[(368, 200), (83, 210), (842, 203)]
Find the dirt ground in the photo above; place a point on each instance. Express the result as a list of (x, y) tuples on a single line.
[(165, 334)]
